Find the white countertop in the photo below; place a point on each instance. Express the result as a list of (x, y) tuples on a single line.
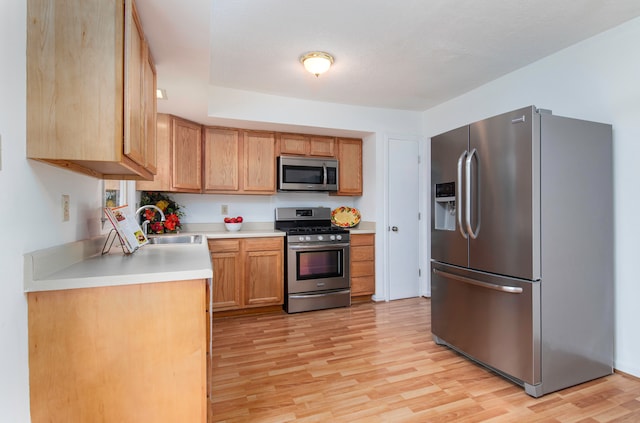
[(80, 265)]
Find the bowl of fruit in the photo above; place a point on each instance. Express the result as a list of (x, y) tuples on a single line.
[(233, 224)]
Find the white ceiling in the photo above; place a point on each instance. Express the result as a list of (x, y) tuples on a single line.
[(402, 54)]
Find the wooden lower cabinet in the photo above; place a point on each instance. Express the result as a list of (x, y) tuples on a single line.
[(247, 272), (363, 266), (130, 353), (227, 266)]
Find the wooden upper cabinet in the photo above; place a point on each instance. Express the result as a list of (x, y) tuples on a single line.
[(134, 62), (85, 87), (322, 146), (239, 162), (179, 156), (222, 152), (349, 166), (150, 114), (162, 179), (259, 162), (186, 155), (293, 144), (306, 145)]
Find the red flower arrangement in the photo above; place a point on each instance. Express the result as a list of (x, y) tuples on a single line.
[(170, 209)]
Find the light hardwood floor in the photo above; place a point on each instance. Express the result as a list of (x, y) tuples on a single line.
[(378, 363)]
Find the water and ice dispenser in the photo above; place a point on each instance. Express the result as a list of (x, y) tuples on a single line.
[(445, 206)]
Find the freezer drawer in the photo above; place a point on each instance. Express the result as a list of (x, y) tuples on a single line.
[(492, 319)]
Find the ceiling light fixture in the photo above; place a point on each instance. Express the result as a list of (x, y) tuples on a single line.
[(161, 94), (317, 62)]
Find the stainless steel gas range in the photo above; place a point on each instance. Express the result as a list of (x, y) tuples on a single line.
[(317, 272)]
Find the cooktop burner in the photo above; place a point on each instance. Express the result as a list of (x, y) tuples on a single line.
[(306, 221)]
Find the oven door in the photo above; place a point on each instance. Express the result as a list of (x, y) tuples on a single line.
[(313, 267)]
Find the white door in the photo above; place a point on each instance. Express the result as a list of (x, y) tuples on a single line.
[(403, 228)]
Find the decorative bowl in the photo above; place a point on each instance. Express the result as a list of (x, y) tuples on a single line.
[(346, 217), (233, 227)]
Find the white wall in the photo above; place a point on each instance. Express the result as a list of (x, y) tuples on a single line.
[(598, 80), (31, 212)]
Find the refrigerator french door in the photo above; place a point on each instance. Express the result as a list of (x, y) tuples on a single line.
[(491, 167), (521, 244)]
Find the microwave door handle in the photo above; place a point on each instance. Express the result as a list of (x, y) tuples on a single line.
[(324, 173)]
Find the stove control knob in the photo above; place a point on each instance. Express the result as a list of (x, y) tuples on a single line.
[(320, 237), (332, 237), (300, 238), (307, 238), (338, 237)]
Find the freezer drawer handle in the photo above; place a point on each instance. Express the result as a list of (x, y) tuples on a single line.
[(501, 288)]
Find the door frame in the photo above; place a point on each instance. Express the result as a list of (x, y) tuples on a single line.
[(423, 208)]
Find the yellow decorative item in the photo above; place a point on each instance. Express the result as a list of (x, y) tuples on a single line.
[(346, 217)]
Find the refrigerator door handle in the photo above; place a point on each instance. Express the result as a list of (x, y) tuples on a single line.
[(459, 187), (473, 234), (501, 288)]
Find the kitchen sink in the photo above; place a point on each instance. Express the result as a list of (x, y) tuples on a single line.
[(175, 239)]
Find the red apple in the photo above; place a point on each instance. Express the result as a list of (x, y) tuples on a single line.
[(239, 219), (227, 220)]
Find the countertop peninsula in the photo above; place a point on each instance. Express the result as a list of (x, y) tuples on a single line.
[(80, 264)]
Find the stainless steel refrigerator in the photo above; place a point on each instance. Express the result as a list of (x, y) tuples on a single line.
[(522, 247)]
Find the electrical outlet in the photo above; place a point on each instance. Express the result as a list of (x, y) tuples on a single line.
[(224, 209), (65, 207)]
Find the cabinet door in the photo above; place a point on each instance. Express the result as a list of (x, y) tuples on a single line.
[(150, 111), (84, 79), (227, 274), (221, 160), (294, 144), (350, 166), (259, 163), (162, 179), (123, 340), (186, 155), (134, 139), (322, 146), (362, 264), (263, 271)]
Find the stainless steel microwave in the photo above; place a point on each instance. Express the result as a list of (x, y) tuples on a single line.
[(307, 173)]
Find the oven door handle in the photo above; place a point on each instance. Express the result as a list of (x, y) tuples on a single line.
[(318, 246), (320, 294)]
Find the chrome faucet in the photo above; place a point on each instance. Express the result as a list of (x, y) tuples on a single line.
[(145, 224)]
